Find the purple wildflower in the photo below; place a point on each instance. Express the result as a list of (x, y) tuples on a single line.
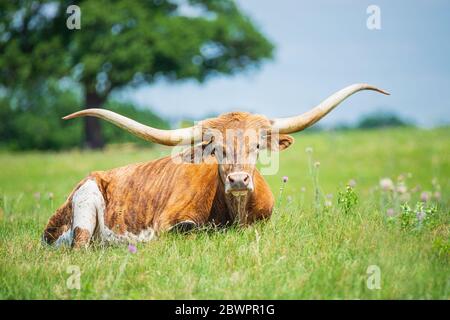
[(386, 184), (390, 212), (425, 196), (420, 216), (402, 188), (132, 248)]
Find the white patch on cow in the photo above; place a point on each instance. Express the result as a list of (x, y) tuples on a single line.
[(86, 202), (88, 211), (108, 236), (65, 239)]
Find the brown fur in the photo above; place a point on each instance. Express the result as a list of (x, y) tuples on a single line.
[(81, 238), (61, 220)]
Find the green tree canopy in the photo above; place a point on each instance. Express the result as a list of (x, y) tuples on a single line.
[(122, 43), (41, 127), (381, 119)]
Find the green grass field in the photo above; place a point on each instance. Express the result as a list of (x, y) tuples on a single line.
[(314, 247)]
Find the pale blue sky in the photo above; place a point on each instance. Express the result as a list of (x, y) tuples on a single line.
[(323, 46)]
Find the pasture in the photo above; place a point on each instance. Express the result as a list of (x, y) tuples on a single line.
[(319, 243)]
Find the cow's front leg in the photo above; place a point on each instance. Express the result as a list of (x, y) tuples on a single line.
[(87, 201)]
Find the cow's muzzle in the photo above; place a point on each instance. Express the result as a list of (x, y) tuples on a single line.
[(238, 183)]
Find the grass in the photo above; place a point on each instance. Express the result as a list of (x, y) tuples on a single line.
[(308, 250)]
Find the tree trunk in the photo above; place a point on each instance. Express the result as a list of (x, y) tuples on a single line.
[(93, 138)]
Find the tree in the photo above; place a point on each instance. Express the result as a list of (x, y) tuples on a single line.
[(41, 127), (123, 43), (381, 120)]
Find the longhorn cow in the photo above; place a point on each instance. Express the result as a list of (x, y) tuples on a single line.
[(139, 201)]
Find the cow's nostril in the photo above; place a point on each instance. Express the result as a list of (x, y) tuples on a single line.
[(246, 178), (230, 179)]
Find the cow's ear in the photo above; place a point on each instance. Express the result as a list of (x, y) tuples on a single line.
[(284, 142), (197, 153)]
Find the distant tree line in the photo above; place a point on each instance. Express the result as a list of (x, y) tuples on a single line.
[(382, 120), (374, 120), (39, 125), (377, 120)]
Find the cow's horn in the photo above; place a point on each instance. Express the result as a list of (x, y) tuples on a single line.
[(307, 119), (165, 137)]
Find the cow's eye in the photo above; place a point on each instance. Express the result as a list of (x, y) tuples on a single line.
[(257, 146)]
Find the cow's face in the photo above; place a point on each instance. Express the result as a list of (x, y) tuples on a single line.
[(238, 153), (235, 140)]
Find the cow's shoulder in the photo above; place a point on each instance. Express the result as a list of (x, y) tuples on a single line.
[(260, 204)]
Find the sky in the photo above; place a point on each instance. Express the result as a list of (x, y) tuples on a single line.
[(321, 47)]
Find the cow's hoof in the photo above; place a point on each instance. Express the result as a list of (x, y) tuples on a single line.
[(183, 226)]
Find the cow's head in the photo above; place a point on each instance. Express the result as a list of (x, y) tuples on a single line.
[(233, 140)]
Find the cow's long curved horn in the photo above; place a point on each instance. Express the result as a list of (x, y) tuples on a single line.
[(165, 137), (307, 119)]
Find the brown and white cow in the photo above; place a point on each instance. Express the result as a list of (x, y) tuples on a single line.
[(138, 201)]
